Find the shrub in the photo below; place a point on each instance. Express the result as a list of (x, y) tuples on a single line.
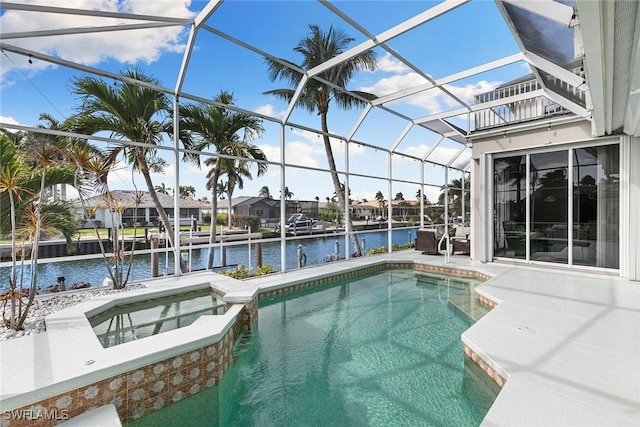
[(246, 221), (221, 219), (239, 273), (264, 269), (395, 247), (242, 273)]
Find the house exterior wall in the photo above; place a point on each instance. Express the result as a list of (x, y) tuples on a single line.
[(630, 152), (554, 136), (500, 142)]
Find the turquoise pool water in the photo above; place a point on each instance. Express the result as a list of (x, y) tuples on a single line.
[(135, 321), (381, 349)]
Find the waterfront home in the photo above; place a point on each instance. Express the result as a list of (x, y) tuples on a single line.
[(99, 209)]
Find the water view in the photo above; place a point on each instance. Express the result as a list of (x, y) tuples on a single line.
[(316, 250)]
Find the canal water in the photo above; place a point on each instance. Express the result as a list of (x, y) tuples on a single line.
[(316, 249)]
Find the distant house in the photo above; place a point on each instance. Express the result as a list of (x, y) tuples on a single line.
[(267, 208), (99, 209), (372, 208)]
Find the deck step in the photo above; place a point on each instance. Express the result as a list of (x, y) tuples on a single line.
[(469, 306)]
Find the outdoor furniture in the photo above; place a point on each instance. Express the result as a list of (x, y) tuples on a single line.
[(426, 242), (461, 240)]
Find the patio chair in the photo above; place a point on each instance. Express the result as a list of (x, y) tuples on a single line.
[(426, 242), (461, 241)]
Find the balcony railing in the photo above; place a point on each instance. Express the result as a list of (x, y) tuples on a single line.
[(535, 108)]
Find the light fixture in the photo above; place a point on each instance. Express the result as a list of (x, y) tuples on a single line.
[(549, 126), (504, 135), (30, 60)]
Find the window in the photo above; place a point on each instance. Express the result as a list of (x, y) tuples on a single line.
[(560, 206)]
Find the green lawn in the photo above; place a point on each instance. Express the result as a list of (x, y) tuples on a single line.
[(139, 231), (129, 231)]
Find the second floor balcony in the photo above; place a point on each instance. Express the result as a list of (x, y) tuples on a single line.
[(518, 107)]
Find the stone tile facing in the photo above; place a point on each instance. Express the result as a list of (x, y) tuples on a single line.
[(497, 378), (149, 388), (486, 301), (138, 392)]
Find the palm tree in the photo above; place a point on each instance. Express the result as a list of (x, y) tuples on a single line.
[(455, 195), (187, 191), (24, 177), (382, 204), (162, 189), (129, 112), (54, 124), (264, 192), (12, 176), (221, 128), (288, 194), (317, 48), (92, 169)]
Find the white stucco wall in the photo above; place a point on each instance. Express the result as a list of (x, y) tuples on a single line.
[(484, 148)]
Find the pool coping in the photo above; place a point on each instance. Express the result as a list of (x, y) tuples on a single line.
[(515, 292), (91, 362)]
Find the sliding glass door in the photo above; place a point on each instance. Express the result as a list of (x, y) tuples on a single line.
[(558, 206), (548, 205)]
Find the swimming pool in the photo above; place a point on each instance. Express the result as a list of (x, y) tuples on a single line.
[(134, 321), (377, 349)]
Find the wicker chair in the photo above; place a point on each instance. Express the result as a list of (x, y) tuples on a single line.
[(461, 241), (426, 242)]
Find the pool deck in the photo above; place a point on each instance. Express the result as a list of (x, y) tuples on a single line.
[(568, 343)]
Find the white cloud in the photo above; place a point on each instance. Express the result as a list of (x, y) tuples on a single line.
[(268, 110), (272, 153), (431, 100), (9, 120), (296, 152), (390, 64), (441, 155), (395, 83), (337, 145), (416, 151), (92, 48)]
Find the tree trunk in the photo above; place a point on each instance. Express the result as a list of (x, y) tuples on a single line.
[(336, 183), (214, 215), (229, 194), (13, 282), (144, 169), (35, 245)]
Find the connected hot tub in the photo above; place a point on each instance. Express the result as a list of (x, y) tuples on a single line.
[(134, 321)]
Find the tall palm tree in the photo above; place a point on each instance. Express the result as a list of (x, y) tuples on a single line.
[(130, 112), (227, 131), (317, 48), (264, 192), (162, 189), (455, 195), (92, 170), (12, 175), (287, 193), (187, 191), (24, 177)]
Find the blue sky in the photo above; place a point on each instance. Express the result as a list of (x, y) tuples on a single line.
[(468, 36)]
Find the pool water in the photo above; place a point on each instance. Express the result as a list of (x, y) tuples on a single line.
[(135, 321), (382, 349)]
